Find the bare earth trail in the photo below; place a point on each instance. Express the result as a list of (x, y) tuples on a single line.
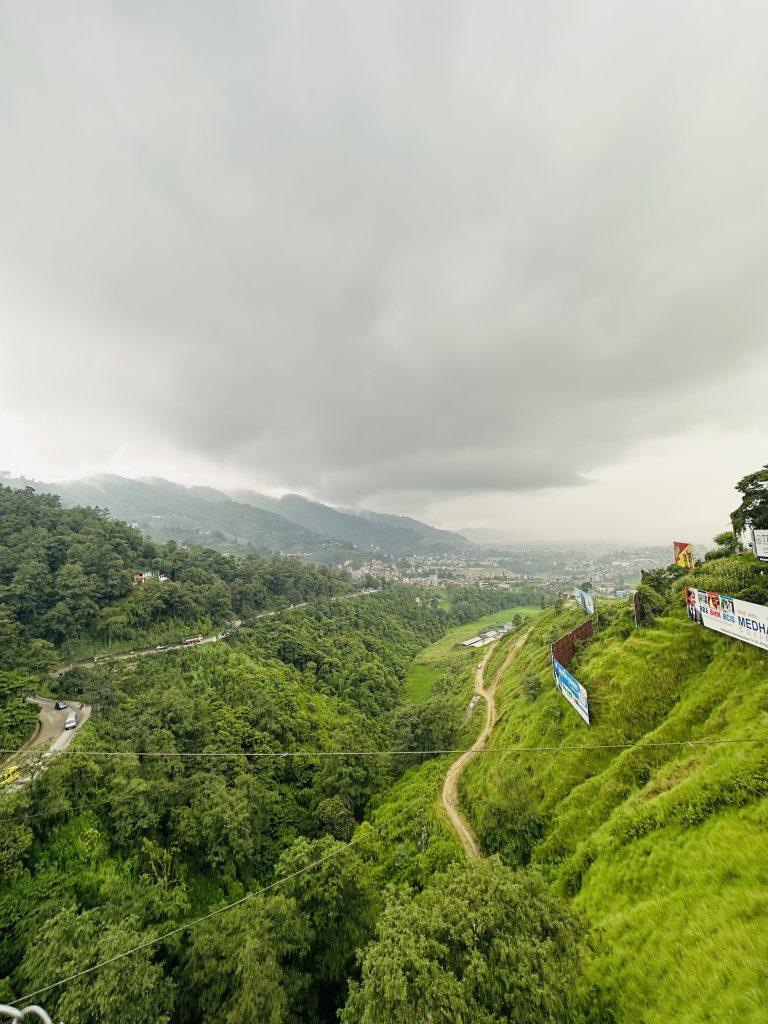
[(450, 796)]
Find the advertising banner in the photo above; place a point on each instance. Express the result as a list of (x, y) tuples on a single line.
[(683, 554), (760, 544), (738, 619), (585, 600), (572, 690)]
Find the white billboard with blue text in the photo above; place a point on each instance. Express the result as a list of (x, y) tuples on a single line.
[(741, 620), (571, 689), (760, 544)]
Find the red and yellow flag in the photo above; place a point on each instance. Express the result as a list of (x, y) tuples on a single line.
[(683, 554)]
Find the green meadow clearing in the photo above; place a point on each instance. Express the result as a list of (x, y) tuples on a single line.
[(446, 656)]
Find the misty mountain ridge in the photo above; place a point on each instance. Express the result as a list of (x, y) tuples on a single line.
[(292, 523), (389, 534)]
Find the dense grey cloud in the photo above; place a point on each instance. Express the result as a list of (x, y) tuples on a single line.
[(370, 250)]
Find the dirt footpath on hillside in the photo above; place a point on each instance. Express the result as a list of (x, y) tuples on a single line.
[(450, 797)]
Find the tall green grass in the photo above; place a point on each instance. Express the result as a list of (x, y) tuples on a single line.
[(665, 849)]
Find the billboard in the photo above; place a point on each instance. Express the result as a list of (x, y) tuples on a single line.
[(585, 600), (760, 544), (741, 620), (637, 606), (572, 690), (683, 554), (564, 648)]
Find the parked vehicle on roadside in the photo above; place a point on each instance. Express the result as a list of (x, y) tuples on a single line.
[(9, 774), (60, 705)]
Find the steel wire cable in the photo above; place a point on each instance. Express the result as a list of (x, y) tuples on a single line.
[(371, 831), (435, 752), (22, 816)]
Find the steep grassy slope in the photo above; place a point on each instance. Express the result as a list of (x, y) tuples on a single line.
[(663, 847)]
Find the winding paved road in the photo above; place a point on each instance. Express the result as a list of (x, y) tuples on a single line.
[(144, 651), (49, 737), (450, 796), (51, 727)]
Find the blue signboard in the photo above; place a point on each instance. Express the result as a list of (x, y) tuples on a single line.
[(571, 689)]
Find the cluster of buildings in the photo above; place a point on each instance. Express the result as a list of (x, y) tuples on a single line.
[(381, 570), (488, 636), (142, 577), (433, 571), (611, 571), (375, 567), (421, 581)]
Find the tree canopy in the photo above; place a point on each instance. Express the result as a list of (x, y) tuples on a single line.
[(753, 510), (111, 846), (483, 944)]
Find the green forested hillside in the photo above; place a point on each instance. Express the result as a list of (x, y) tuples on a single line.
[(68, 576), (446, 537), (625, 872), (169, 805), (246, 521), (369, 531), (661, 847), (169, 511), (67, 581), (123, 846)]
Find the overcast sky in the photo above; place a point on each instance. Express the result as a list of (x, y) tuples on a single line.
[(494, 264)]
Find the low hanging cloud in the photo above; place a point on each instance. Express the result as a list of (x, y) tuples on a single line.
[(358, 250)]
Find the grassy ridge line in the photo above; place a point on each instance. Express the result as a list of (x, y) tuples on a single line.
[(663, 849)]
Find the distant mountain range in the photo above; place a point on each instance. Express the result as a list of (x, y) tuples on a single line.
[(372, 531), (292, 523)]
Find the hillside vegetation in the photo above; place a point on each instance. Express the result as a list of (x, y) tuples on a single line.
[(168, 511), (433, 669), (625, 879), (661, 847), (68, 576), (369, 531), (101, 852), (245, 521), (202, 775)]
